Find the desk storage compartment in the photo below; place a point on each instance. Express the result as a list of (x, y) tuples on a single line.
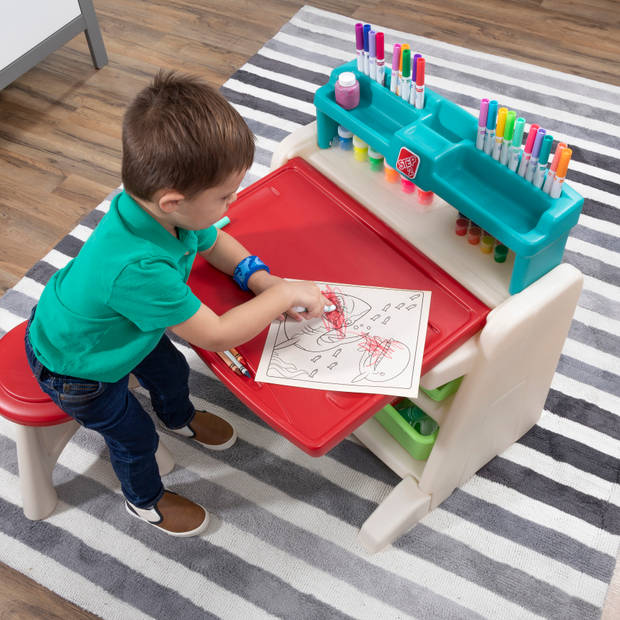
[(443, 391), (393, 419)]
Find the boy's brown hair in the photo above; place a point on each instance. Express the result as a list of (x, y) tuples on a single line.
[(181, 134)]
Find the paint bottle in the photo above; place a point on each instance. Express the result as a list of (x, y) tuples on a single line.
[(475, 232), (360, 149), (486, 243), (375, 160), (345, 138), (501, 252), (406, 185), (425, 198), (391, 175), (347, 90), (462, 224)]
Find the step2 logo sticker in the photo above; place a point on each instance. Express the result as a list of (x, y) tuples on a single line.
[(407, 163)]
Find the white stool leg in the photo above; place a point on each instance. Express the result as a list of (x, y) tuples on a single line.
[(38, 449), (164, 459)]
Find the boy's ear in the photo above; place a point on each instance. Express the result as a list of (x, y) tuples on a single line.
[(169, 200)]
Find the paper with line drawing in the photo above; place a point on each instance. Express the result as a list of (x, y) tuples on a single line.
[(372, 343)]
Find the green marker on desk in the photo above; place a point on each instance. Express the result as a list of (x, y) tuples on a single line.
[(223, 222), (509, 129)]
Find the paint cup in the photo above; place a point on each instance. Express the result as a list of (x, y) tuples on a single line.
[(391, 175), (345, 138), (347, 90), (475, 232), (406, 185), (425, 198), (360, 149), (375, 160), (486, 243), (462, 224), (501, 252)]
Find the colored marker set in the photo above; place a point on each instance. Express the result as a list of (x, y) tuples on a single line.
[(500, 135), (465, 227), (408, 73), (363, 152)]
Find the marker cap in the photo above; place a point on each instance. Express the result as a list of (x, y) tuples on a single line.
[(492, 115), (379, 41), (420, 69), (372, 43), (501, 122), (565, 156), (414, 66), (484, 110), (403, 47), (556, 156), (359, 36), (511, 117), (396, 57), (530, 138), (517, 137), (540, 134), (406, 62), (367, 28), (545, 148)]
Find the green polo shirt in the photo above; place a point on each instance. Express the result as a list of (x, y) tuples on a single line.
[(103, 313)]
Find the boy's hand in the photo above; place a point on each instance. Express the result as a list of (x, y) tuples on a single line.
[(262, 280), (309, 296)]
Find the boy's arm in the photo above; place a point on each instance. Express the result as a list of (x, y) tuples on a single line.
[(239, 324), (226, 253)]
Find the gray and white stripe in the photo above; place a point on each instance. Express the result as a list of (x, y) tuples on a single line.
[(534, 534)]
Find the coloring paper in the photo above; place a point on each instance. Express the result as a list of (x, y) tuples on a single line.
[(372, 343)]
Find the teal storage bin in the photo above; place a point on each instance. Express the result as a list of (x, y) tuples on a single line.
[(442, 134), (409, 435)]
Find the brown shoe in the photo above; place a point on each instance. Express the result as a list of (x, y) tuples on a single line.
[(210, 430), (173, 514)]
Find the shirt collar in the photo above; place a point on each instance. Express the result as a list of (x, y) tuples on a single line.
[(144, 225)]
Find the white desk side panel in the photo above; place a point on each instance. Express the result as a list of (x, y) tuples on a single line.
[(26, 23)]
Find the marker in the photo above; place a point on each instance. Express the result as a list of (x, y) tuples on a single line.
[(223, 222), (419, 83), (482, 123), (395, 65), (554, 164), (414, 74), (231, 363), (380, 58), (359, 46), (403, 47), (511, 117), (560, 174), (405, 80), (527, 151), (489, 138), (529, 173), (367, 28), (499, 132), (372, 54), (515, 147), (301, 309), (543, 157)]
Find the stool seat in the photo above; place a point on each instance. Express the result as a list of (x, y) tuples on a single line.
[(21, 399)]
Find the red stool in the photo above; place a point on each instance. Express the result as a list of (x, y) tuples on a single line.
[(42, 429)]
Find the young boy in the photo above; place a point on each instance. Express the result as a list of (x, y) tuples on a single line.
[(103, 316)]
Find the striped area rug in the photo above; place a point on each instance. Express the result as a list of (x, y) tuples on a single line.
[(534, 534)]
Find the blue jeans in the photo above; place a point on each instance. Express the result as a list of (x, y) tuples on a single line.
[(114, 412)]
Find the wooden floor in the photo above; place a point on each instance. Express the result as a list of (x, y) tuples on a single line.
[(60, 123)]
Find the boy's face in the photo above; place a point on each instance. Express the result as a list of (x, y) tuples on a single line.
[(208, 206)]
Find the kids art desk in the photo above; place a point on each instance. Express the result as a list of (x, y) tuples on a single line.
[(322, 215)]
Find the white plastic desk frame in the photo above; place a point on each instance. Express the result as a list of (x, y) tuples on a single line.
[(508, 366)]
